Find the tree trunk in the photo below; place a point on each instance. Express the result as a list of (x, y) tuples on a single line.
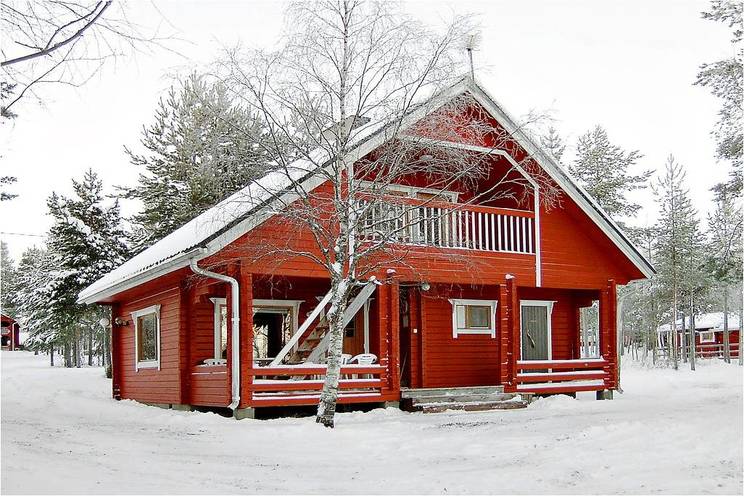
[(741, 333), (726, 335), (68, 355), (673, 340), (693, 345), (683, 340), (76, 348), (90, 347), (329, 395), (51, 355)]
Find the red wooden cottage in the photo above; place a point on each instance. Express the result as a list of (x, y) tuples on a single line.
[(709, 335), (11, 332), (511, 324)]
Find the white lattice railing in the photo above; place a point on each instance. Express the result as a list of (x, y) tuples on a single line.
[(472, 227)]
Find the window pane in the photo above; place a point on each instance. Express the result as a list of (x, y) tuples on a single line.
[(479, 317), (223, 331), (147, 337), (460, 310)]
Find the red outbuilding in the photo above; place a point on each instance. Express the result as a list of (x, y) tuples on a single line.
[(501, 316), (11, 332)]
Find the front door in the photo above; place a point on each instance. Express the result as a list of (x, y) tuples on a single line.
[(535, 331)]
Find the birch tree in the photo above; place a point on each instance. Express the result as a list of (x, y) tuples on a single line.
[(347, 67), (63, 42)]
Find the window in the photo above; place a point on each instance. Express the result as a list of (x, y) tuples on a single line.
[(473, 317), (147, 337), (708, 337), (220, 328)]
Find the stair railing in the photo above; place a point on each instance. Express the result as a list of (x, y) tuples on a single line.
[(304, 327), (355, 305)]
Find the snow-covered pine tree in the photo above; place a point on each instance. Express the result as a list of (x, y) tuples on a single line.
[(201, 148), (86, 241), (33, 294), (725, 79), (552, 142), (8, 275), (604, 170), (724, 250), (678, 248)]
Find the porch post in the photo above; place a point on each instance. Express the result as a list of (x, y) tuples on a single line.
[(515, 344), (245, 280), (184, 345), (383, 323), (115, 351), (608, 335), (394, 336)]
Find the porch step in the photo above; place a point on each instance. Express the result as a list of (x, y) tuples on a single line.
[(473, 406), (478, 398), (463, 398), (410, 393)]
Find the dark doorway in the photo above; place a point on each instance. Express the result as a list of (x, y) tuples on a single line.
[(270, 331)]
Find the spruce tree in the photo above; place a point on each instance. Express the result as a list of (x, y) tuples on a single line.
[(34, 294), (85, 242), (604, 170), (8, 275), (552, 142), (201, 148)]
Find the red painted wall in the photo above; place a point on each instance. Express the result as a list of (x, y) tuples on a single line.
[(150, 385)]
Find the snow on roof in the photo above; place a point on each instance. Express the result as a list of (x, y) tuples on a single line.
[(223, 223), (175, 249), (712, 321)]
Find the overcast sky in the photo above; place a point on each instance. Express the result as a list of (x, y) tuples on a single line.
[(628, 66)]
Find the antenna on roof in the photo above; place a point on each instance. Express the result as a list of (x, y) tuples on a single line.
[(472, 42)]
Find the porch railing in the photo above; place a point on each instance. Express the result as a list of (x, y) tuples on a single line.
[(716, 350), (449, 226), (301, 384), (560, 376)]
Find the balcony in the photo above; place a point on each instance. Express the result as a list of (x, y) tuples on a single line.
[(449, 225)]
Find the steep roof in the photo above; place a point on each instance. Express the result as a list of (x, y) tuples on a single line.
[(248, 208)]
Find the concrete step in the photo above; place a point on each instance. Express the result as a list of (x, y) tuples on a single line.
[(471, 406), (464, 398)]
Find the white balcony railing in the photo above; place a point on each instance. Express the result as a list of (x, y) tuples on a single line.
[(472, 227)]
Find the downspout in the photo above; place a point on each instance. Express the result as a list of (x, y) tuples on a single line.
[(235, 358)]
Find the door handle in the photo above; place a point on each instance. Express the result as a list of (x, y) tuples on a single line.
[(532, 341)]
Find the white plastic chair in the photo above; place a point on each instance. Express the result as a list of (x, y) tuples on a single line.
[(345, 358), (364, 359)]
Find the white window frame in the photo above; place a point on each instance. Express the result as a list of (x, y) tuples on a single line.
[(270, 306), (711, 333), (147, 364), (491, 331), (218, 302), (549, 305)]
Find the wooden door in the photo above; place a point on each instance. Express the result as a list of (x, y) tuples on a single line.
[(535, 332)]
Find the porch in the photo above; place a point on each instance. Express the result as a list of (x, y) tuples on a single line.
[(284, 344)]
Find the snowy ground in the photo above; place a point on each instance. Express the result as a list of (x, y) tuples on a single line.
[(671, 432)]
